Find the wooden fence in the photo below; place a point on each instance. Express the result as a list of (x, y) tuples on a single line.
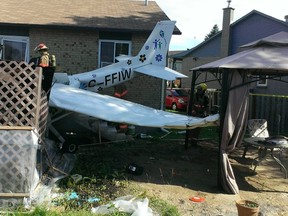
[(273, 108)]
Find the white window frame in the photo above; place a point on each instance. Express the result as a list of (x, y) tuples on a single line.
[(102, 64), (262, 82), (18, 39)]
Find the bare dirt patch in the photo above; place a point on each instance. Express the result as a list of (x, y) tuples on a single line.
[(176, 174)]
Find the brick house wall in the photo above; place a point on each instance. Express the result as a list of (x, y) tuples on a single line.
[(77, 52)]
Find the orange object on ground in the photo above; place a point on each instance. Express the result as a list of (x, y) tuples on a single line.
[(197, 199)]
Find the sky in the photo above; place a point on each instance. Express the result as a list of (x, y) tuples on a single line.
[(196, 18)]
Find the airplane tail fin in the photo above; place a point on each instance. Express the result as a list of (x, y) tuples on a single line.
[(156, 47), (152, 56)]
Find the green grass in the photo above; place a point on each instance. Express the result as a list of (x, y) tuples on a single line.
[(78, 207), (42, 211), (163, 207), (211, 132)]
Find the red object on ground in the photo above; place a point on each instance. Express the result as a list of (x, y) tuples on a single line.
[(197, 199)]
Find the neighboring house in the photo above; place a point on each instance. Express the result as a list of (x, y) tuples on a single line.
[(84, 35), (253, 26)]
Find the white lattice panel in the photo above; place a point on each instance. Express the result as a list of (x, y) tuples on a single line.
[(17, 160)]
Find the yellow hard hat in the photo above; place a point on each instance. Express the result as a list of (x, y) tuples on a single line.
[(203, 86)]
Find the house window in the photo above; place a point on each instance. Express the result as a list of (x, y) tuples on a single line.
[(14, 48), (177, 66), (262, 82), (109, 50)]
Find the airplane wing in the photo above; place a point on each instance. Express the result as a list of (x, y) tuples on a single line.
[(117, 110), (160, 72)]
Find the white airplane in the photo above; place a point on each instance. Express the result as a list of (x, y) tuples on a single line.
[(77, 93), (151, 60)]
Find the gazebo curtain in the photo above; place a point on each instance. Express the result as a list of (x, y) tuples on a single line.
[(234, 125)]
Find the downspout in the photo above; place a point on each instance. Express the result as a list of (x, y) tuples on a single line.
[(164, 85), (163, 94)]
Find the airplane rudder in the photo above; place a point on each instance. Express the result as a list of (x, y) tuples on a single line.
[(156, 47)]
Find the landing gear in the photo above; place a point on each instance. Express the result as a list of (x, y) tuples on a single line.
[(70, 146)]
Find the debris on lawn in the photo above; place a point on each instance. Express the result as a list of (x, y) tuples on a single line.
[(73, 196), (197, 199), (127, 204), (134, 169)]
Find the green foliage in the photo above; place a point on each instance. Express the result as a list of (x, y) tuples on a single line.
[(162, 207), (213, 32), (250, 204), (78, 195), (38, 211), (210, 133)]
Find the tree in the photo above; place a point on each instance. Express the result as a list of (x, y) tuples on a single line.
[(213, 32)]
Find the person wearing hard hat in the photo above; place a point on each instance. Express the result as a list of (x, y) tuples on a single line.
[(48, 64), (120, 91), (200, 101), (42, 49), (200, 109)]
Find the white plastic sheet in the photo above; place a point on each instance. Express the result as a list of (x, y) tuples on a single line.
[(127, 204)]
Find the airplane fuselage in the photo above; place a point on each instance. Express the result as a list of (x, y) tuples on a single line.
[(105, 77), (115, 78)]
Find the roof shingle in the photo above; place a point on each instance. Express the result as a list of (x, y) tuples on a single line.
[(114, 15)]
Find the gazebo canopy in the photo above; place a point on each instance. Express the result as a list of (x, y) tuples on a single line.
[(267, 56)]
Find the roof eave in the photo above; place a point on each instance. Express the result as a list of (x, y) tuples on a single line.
[(67, 26)]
